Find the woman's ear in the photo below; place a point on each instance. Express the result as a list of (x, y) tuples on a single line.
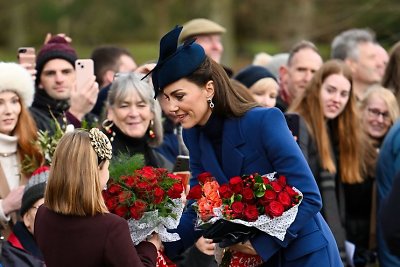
[(210, 89), (110, 114)]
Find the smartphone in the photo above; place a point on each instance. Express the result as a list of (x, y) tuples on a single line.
[(84, 69), (293, 122), (26, 55), (181, 164)]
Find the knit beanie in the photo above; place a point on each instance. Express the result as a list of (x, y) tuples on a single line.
[(34, 190), (14, 77), (251, 74), (56, 47)]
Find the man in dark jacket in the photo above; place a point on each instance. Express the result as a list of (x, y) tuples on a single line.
[(56, 96)]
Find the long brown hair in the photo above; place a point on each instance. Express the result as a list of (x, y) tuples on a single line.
[(346, 125), (390, 79), (228, 101), (26, 131), (73, 187)]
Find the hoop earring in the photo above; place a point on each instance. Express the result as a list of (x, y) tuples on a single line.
[(152, 134), (210, 103), (107, 124)]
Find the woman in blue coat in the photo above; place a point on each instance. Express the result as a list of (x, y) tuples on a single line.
[(228, 135)]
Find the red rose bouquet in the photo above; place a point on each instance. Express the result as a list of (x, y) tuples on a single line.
[(150, 199), (236, 211)]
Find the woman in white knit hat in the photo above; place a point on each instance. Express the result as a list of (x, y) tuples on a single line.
[(18, 132)]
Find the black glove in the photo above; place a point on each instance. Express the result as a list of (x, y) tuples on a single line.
[(227, 233)]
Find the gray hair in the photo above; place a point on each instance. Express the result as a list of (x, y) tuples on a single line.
[(345, 45), (297, 47), (123, 86)]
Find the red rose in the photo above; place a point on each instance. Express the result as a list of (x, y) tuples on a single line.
[(130, 181), (159, 194), (237, 208), (175, 191), (275, 209), (266, 180), (124, 196), (269, 195), (247, 194), (236, 184), (114, 188), (111, 203), (204, 177), (121, 211), (251, 213), (106, 194), (174, 176), (282, 180), (291, 191), (143, 186), (195, 192), (285, 199), (137, 209), (225, 191), (276, 186)]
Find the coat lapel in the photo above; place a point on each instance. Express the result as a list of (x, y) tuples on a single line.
[(209, 160), (232, 156)]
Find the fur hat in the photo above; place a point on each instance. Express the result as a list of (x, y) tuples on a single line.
[(14, 77), (56, 47), (198, 27), (35, 188), (175, 62), (251, 74)]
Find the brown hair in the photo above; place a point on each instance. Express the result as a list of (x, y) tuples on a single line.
[(75, 191), (26, 131), (346, 125), (390, 79), (229, 102)]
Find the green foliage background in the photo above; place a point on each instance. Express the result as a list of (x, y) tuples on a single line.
[(253, 25)]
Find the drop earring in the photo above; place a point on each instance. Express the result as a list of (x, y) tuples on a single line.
[(210, 103), (152, 134), (107, 124)]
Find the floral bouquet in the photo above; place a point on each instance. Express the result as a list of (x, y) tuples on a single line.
[(148, 198), (234, 212)]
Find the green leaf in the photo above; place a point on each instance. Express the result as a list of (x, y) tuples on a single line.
[(259, 194), (259, 179), (123, 164)]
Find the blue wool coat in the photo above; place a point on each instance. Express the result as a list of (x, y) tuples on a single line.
[(261, 142)]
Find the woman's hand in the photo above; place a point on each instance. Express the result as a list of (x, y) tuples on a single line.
[(12, 201), (155, 240), (245, 247), (205, 245)]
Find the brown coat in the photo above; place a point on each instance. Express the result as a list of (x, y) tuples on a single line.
[(100, 240)]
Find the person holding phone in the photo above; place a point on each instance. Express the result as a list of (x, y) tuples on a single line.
[(57, 96), (228, 135)]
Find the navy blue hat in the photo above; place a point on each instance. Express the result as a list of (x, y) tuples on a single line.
[(175, 62), (251, 74)]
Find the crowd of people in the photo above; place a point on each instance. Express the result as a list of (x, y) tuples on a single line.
[(341, 147)]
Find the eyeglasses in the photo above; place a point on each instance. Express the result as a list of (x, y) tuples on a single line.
[(376, 113)]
